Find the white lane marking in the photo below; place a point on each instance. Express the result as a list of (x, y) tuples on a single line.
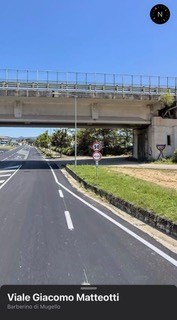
[(23, 152), (86, 278), (9, 155), (133, 234), (5, 158), (10, 177), (12, 167), (1, 181), (61, 193), (68, 220), (5, 175), (7, 170)]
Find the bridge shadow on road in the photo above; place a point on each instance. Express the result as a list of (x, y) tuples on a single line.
[(59, 163)]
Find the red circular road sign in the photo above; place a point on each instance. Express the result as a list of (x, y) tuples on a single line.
[(97, 156), (97, 146)]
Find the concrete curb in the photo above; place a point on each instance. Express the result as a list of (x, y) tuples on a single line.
[(148, 217)]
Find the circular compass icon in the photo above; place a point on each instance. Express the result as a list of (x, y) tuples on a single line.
[(160, 14)]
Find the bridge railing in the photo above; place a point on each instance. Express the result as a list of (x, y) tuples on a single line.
[(52, 78)]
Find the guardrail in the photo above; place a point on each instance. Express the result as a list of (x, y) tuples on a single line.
[(76, 81)]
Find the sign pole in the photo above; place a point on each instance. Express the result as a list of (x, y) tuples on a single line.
[(96, 147), (96, 163)]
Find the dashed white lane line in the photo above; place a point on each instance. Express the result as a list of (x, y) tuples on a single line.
[(10, 177), (133, 234), (68, 220), (1, 181), (61, 193)]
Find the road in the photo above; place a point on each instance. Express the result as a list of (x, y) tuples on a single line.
[(50, 233)]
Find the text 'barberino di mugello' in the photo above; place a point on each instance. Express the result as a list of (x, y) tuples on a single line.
[(39, 297)]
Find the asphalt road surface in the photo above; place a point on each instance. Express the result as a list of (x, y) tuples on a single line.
[(52, 234)]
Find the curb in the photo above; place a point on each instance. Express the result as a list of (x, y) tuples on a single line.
[(148, 217)]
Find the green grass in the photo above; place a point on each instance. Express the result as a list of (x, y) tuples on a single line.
[(147, 195), (163, 161)]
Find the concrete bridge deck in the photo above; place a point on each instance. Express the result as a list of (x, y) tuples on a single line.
[(56, 99)]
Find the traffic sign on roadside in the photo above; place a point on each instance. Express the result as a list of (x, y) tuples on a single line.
[(97, 146), (97, 156)]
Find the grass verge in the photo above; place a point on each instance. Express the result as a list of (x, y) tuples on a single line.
[(163, 161), (160, 200)]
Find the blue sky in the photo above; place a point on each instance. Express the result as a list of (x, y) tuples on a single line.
[(86, 36)]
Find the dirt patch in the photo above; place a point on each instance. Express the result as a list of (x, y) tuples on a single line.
[(164, 178)]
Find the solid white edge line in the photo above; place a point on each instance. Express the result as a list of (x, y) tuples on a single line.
[(68, 220), (61, 193), (133, 234), (10, 177)]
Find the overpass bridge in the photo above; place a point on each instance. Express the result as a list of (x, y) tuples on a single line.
[(59, 99)]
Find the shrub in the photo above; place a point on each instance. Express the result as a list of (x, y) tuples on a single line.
[(175, 156), (69, 151)]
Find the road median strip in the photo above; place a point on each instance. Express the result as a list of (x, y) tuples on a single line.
[(147, 216)]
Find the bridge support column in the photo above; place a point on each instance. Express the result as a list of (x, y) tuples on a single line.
[(162, 131), (140, 144)]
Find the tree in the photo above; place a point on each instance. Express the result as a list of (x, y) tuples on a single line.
[(167, 99), (114, 141), (169, 106), (43, 140), (125, 138), (60, 140)]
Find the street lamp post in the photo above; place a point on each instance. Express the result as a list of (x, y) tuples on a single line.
[(75, 126)]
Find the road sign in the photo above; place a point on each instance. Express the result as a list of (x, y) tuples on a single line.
[(160, 147), (97, 146), (97, 156)]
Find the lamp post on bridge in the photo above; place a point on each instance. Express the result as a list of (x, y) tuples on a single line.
[(75, 126)]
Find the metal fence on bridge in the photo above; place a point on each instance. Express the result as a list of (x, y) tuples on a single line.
[(77, 81)]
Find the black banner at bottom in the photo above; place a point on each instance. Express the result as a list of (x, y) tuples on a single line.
[(64, 300)]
